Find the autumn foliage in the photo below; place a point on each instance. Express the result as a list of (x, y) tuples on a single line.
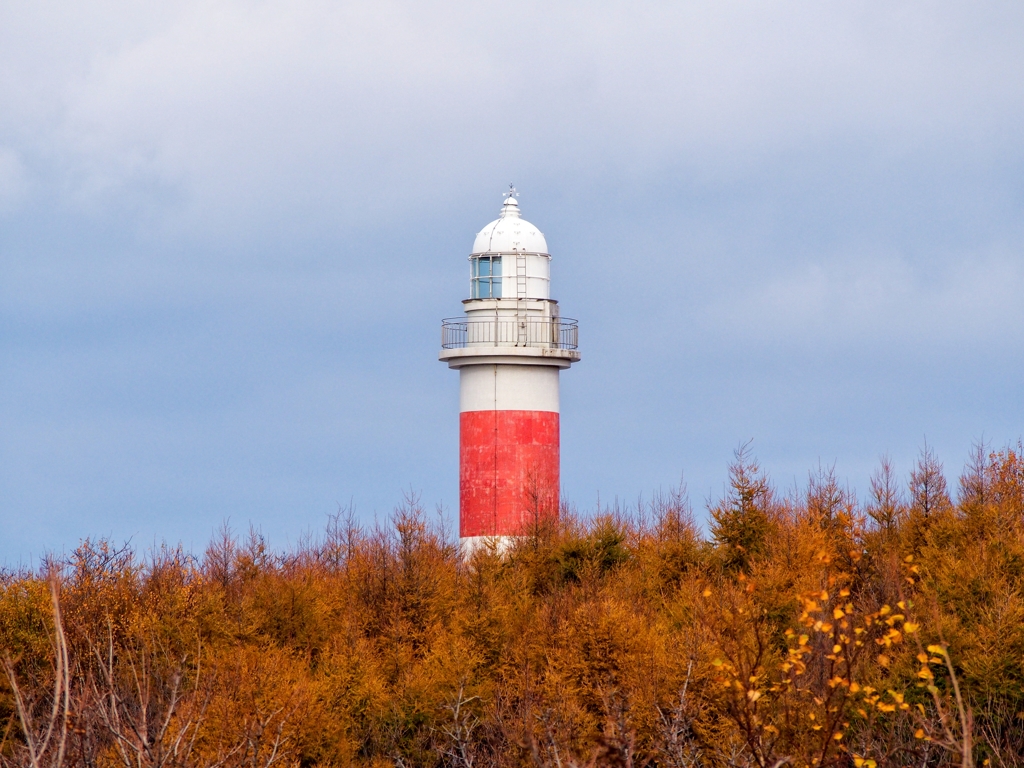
[(805, 629)]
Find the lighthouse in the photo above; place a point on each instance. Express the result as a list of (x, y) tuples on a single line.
[(508, 349)]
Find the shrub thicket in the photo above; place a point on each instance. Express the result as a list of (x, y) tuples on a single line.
[(807, 629)]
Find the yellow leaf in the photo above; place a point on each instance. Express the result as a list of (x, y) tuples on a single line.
[(919, 734), (910, 627)]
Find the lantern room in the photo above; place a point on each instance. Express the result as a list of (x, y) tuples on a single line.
[(510, 258)]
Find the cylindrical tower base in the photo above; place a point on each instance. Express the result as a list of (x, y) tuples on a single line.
[(509, 450), (508, 472)]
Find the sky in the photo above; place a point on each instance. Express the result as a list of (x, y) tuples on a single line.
[(229, 231)]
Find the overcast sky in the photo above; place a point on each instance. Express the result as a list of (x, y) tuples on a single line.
[(229, 230)]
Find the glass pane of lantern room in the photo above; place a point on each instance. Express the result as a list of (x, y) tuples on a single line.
[(496, 287)]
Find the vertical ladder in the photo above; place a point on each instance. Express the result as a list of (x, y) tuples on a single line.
[(523, 337)]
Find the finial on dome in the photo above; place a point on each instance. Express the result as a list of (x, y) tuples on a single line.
[(510, 207)]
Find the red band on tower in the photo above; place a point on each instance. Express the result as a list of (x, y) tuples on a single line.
[(508, 471)]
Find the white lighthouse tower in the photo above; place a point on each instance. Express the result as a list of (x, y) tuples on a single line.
[(508, 349)]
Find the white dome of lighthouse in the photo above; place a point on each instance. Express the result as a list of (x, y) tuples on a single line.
[(510, 233)]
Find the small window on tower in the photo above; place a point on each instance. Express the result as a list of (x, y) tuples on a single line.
[(486, 277)]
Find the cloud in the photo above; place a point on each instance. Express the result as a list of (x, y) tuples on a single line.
[(13, 181), (257, 109)]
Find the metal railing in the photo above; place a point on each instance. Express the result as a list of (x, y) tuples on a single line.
[(543, 332)]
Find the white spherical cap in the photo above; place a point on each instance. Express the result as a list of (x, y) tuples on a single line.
[(509, 233)]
